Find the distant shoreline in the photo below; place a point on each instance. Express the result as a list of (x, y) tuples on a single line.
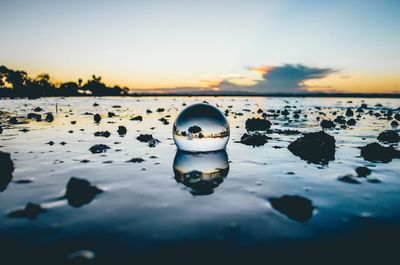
[(288, 95)]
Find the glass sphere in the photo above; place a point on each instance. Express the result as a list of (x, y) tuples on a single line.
[(201, 128), (201, 172)]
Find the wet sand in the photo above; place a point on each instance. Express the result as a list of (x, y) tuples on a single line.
[(103, 194)]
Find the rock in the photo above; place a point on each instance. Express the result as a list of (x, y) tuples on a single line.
[(295, 207), (1, 130), (144, 138), (136, 160), (351, 122), (97, 118), (340, 119), (349, 179), (349, 112), (95, 104), (34, 116), (363, 171), (37, 109), (160, 110), (148, 111), (397, 116), (254, 139), (13, 120), (7, 168), (80, 192), (73, 122), (137, 118), (111, 114), (49, 117), (153, 142), (375, 152), (394, 124), (285, 112), (99, 148), (102, 134), (31, 211), (256, 124), (360, 110), (50, 143), (327, 124), (148, 138), (121, 130), (389, 136), (318, 147), (164, 121)]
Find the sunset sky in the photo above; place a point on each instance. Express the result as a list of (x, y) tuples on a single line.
[(261, 46)]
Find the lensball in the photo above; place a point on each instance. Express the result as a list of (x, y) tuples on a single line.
[(201, 128)]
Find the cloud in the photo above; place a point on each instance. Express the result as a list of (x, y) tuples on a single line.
[(290, 78), (287, 78)]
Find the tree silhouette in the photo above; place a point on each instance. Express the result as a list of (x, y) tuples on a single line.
[(15, 83)]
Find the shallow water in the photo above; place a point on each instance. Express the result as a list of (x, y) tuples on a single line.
[(145, 209)]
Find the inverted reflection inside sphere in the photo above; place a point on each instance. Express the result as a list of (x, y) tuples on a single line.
[(201, 128), (201, 172)]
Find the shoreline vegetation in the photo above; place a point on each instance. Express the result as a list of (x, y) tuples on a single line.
[(18, 84)]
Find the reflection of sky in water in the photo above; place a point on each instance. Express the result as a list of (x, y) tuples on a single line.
[(144, 201)]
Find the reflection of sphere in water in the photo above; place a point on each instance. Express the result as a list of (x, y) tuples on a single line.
[(201, 172), (201, 128)]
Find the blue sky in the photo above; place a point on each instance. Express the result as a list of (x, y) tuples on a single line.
[(157, 44)]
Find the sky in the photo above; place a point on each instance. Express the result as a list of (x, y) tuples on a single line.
[(257, 46)]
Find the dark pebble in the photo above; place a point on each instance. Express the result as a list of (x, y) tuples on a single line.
[(7, 168), (389, 136), (80, 192), (363, 171), (295, 207), (375, 152), (31, 211), (99, 148), (318, 147)]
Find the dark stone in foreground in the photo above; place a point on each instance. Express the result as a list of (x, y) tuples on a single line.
[(99, 148), (122, 130), (254, 124), (351, 122), (148, 138), (80, 192), (363, 171), (49, 117), (6, 170), (327, 124), (31, 211), (34, 116), (254, 139), (102, 134), (136, 160), (318, 147), (295, 207), (97, 118), (375, 152), (349, 179), (144, 138), (389, 136), (137, 118)]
